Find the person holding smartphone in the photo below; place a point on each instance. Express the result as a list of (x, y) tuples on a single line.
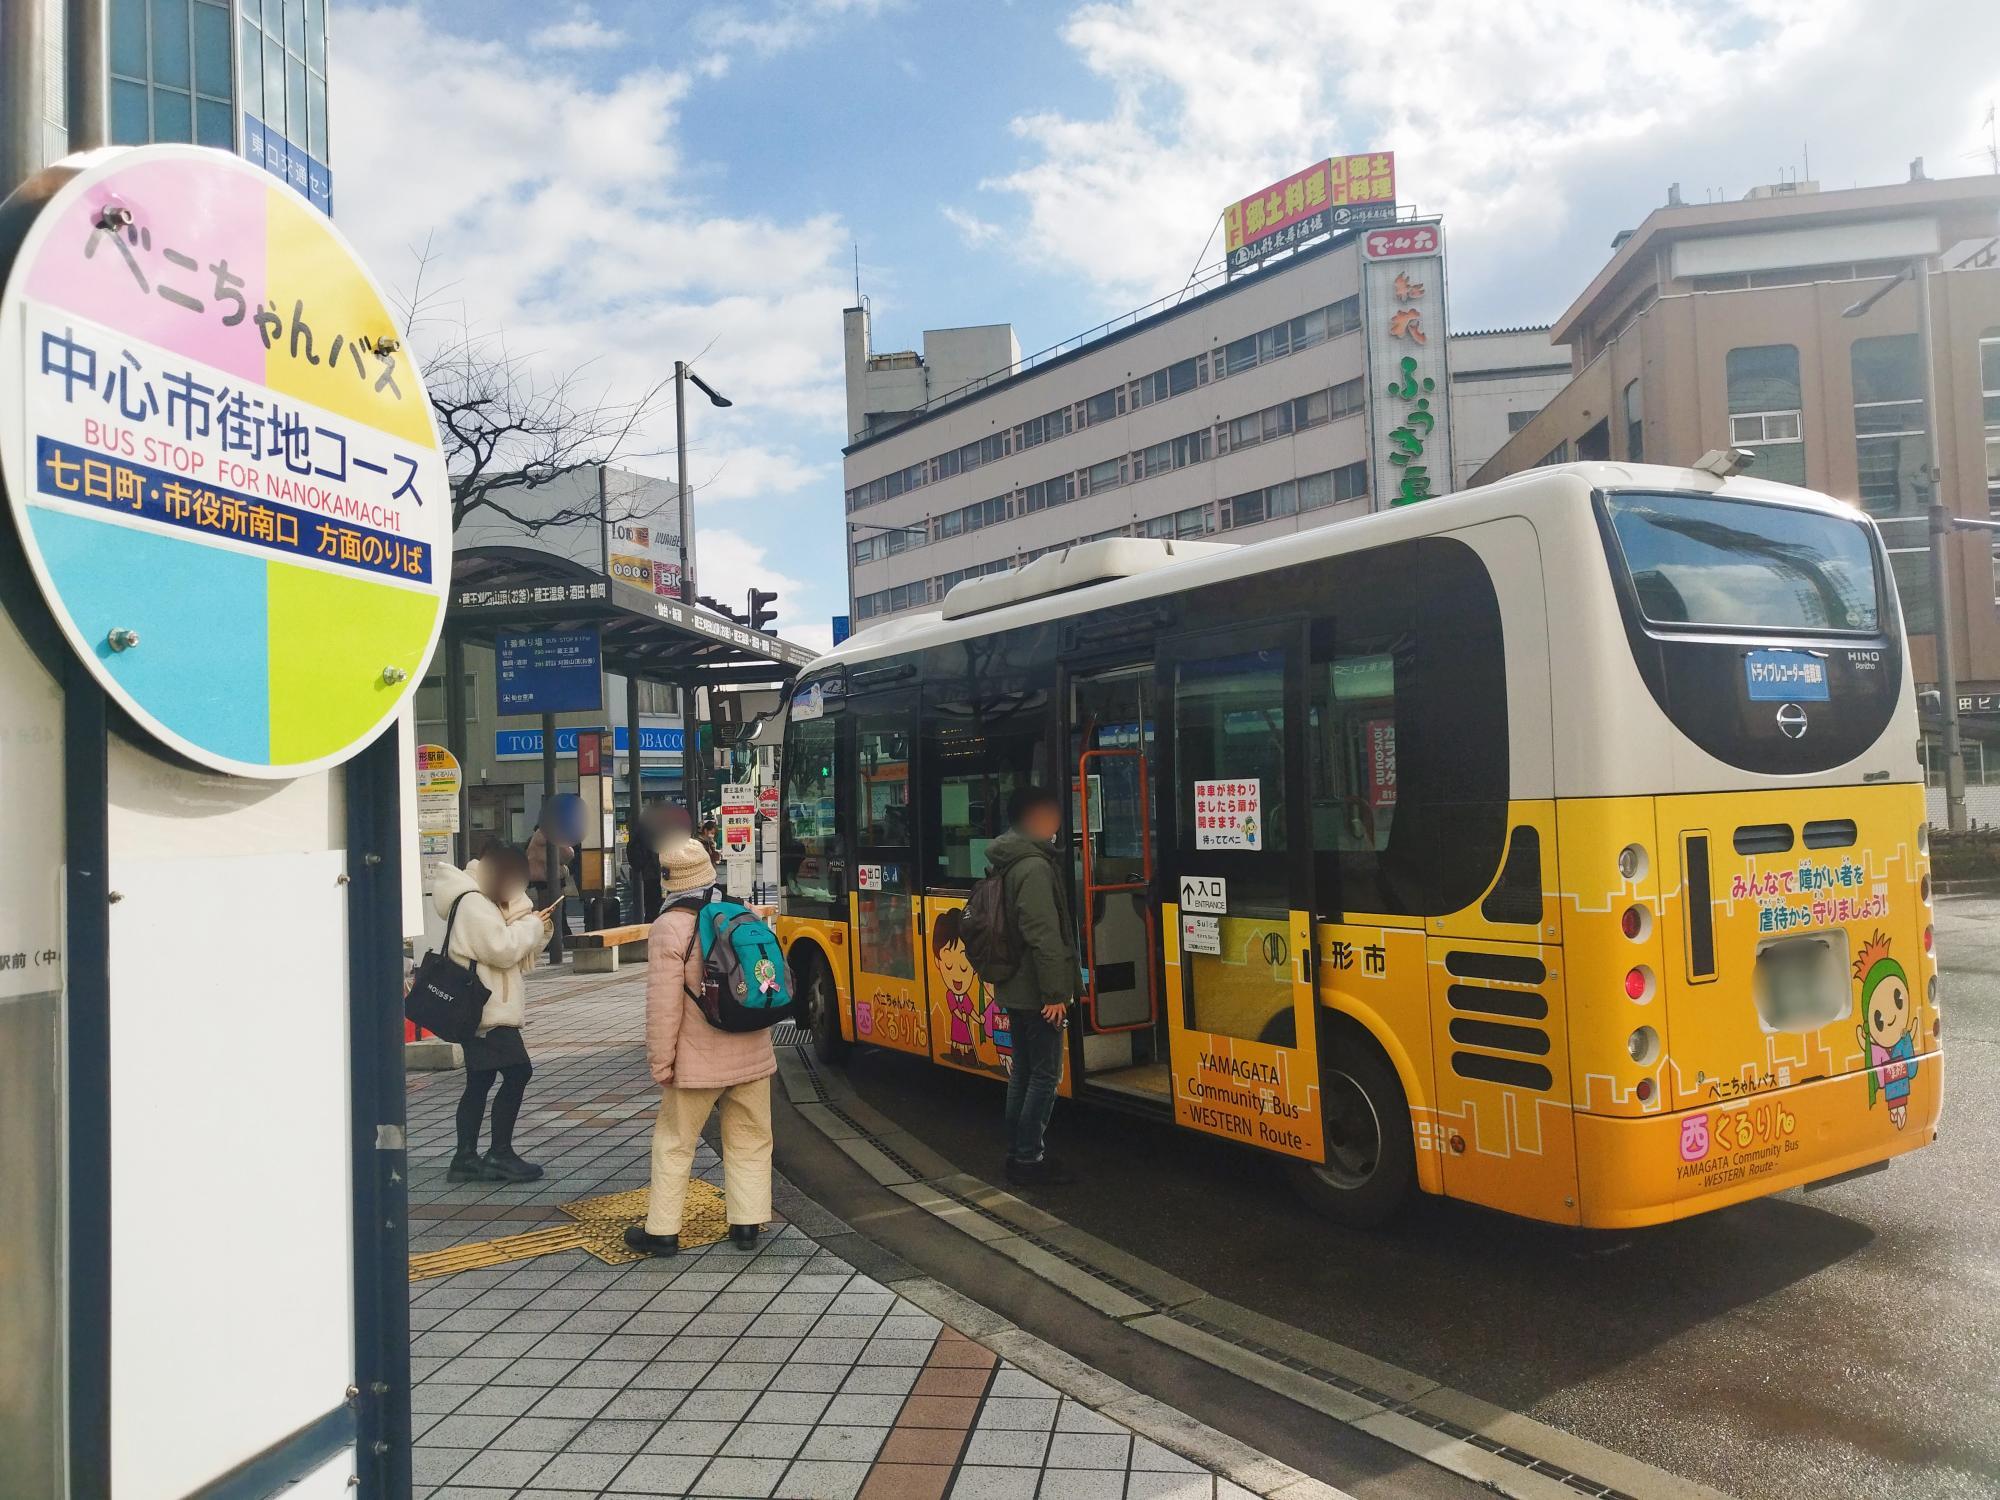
[(499, 931)]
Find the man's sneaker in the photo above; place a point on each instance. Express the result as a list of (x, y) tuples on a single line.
[(468, 1167), (744, 1236), (652, 1244), (1048, 1172), (505, 1166)]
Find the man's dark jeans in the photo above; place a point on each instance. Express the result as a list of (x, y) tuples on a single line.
[(1031, 1087)]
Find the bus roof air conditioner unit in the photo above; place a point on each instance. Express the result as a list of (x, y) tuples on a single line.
[(1072, 568)]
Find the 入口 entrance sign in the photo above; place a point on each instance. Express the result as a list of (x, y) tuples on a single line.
[(221, 461)]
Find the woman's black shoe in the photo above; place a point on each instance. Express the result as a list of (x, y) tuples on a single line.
[(468, 1166), (652, 1244), (505, 1166), (744, 1236)]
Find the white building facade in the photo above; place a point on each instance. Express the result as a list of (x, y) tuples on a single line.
[(1312, 390), (1500, 378)]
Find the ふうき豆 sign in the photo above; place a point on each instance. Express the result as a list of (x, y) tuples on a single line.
[(220, 460)]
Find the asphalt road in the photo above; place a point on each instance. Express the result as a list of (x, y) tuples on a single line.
[(1845, 1344)]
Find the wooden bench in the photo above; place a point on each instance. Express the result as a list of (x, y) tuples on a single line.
[(600, 952)]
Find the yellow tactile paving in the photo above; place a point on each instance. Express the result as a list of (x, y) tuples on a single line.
[(600, 1229)]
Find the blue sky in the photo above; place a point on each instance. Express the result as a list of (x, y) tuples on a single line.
[(629, 181)]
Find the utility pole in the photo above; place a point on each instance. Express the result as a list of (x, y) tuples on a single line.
[(1942, 523), (1940, 529)]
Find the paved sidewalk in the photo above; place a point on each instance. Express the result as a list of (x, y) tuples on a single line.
[(785, 1372)]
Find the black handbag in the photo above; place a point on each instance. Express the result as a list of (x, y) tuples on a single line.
[(447, 998)]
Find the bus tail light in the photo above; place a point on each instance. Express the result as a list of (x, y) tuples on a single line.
[(1929, 937), (1636, 922), (1644, 1091), (1643, 1046), (1924, 888), (1923, 838), (1639, 983)]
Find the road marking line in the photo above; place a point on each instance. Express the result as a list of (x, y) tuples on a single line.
[(1503, 1450)]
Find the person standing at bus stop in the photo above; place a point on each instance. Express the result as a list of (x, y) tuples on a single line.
[(495, 927), (700, 1068), (1037, 995)]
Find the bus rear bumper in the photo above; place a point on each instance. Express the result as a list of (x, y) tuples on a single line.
[(1658, 1168)]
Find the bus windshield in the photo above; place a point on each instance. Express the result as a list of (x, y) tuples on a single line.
[(1698, 560)]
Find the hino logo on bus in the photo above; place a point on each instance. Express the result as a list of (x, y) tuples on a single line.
[(1792, 721)]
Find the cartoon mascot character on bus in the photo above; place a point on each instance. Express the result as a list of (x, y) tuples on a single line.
[(1888, 1027)]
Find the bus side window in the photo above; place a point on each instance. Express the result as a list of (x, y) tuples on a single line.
[(884, 842), (975, 755), (987, 706), (1408, 731), (811, 860)]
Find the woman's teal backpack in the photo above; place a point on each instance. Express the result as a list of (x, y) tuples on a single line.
[(745, 985)]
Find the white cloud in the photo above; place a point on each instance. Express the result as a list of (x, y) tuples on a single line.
[(1536, 130), (767, 29), (582, 32), (728, 564), (560, 211), (975, 231)]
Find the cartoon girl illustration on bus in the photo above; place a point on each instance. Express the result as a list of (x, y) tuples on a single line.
[(1888, 1027), (960, 1000), (1000, 1035)]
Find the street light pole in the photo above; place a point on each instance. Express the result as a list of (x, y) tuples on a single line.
[(687, 509)]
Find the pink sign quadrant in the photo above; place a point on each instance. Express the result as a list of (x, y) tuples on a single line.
[(193, 291)]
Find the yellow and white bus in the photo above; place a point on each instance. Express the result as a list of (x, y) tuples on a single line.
[(1557, 846)]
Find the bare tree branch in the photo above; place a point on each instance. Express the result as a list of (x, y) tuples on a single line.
[(507, 426)]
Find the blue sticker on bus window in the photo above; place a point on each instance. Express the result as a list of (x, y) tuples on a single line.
[(1785, 676)]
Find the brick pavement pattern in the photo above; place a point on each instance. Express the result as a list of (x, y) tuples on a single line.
[(781, 1373)]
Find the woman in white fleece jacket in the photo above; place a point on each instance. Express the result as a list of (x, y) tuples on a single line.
[(496, 929)]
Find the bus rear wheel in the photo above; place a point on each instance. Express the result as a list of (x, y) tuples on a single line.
[(822, 1012), (1371, 1163)]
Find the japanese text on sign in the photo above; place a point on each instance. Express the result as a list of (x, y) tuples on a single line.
[(1229, 814), (165, 439), (1201, 934), (1337, 183), (207, 288)]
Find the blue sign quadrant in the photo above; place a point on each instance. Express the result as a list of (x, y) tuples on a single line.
[(178, 596)]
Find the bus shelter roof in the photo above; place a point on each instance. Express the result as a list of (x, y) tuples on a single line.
[(498, 590)]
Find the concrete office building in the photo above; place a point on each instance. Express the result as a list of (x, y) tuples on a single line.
[(245, 75), (503, 762), (1500, 377), (1720, 324), (1241, 408)]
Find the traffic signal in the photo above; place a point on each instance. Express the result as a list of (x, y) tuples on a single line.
[(761, 613)]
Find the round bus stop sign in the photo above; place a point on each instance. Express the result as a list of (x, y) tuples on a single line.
[(220, 460)]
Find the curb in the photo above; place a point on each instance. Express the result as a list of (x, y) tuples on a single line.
[(1506, 1452)]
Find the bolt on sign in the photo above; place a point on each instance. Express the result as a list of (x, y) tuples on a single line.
[(1403, 313), (1341, 192), (220, 460)]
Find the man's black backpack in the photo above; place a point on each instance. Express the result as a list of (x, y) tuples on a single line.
[(990, 944), (447, 999)]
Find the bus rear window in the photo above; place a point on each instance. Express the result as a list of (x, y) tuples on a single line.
[(1697, 560)]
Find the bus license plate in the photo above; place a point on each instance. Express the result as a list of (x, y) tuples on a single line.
[(1785, 676)]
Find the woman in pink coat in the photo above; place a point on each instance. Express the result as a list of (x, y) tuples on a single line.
[(700, 1068)]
